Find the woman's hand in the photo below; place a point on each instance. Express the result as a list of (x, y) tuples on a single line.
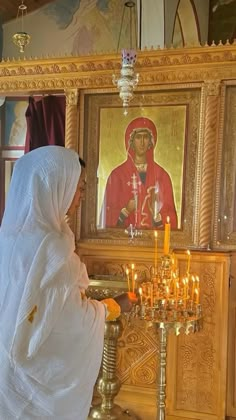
[(126, 301)]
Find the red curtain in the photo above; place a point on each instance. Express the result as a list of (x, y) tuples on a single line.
[(45, 118)]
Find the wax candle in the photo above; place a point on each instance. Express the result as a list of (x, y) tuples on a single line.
[(141, 295), (188, 265), (135, 279), (155, 252), (193, 287), (132, 275), (187, 287), (127, 276), (167, 236), (197, 296)]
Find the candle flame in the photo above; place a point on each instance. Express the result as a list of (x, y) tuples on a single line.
[(155, 234), (167, 219), (188, 252), (140, 291), (135, 276), (127, 271), (132, 266)]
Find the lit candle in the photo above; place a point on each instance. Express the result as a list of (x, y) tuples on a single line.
[(135, 278), (155, 255), (187, 287), (193, 286), (132, 275), (167, 236), (127, 275), (188, 266), (198, 285), (141, 295), (197, 296)]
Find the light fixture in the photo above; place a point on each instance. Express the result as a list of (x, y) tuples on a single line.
[(128, 79), (21, 38)]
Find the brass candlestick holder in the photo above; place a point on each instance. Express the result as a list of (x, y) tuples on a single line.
[(108, 384), (170, 303)]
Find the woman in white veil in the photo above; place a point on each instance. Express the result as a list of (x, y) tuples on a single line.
[(51, 336)]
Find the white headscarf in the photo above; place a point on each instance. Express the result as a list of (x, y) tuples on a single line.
[(35, 243)]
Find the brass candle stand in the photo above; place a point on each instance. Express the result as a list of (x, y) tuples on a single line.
[(108, 384), (170, 303)]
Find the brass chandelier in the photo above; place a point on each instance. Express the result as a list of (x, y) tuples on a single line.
[(21, 38)]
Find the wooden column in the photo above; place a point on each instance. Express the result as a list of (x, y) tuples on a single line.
[(212, 102), (72, 119), (71, 132)]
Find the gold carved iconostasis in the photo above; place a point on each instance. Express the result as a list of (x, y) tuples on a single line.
[(190, 96)]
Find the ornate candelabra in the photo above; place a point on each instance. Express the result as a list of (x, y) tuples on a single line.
[(171, 303)]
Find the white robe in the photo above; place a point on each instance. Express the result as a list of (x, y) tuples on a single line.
[(48, 362)]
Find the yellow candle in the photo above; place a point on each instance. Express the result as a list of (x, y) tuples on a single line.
[(141, 295), (155, 254), (188, 265), (132, 275), (197, 296), (167, 236), (127, 276), (193, 286), (187, 287), (135, 278)]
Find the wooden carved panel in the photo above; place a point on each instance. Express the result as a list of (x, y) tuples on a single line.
[(197, 363)]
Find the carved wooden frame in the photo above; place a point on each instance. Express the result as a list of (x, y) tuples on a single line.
[(170, 95)]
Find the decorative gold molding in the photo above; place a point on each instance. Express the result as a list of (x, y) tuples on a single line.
[(212, 87), (155, 66), (72, 96)]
